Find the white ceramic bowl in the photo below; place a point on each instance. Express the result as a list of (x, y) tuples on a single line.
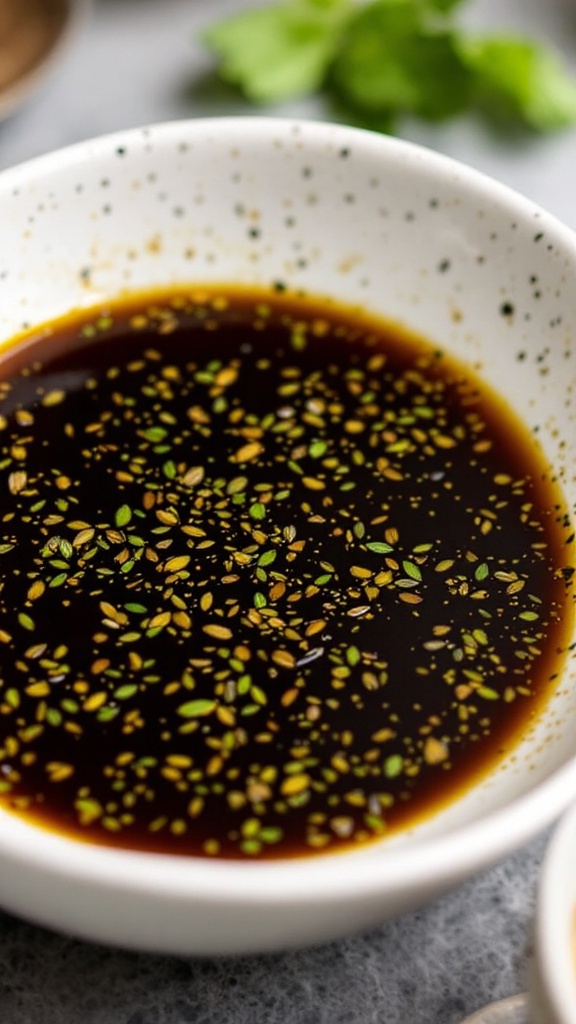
[(553, 975), (409, 235)]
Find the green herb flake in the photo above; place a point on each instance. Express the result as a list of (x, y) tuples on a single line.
[(155, 434), (317, 449), (126, 691), (267, 558), (393, 766), (59, 580), (123, 516), (257, 510), (487, 693), (412, 570), (379, 547), (353, 656), (196, 708)]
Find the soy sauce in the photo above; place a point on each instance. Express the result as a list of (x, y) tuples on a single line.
[(276, 577)]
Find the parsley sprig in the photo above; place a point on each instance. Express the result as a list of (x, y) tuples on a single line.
[(380, 60)]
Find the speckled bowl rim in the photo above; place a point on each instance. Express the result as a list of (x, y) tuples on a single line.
[(422, 867)]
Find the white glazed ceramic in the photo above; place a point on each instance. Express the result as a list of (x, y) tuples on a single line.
[(553, 976), (39, 60), (410, 235), (512, 1010)]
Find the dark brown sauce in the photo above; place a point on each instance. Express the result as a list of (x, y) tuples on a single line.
[(275, 577)]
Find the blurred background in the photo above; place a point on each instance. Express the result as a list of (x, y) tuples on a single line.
[(130, 62)]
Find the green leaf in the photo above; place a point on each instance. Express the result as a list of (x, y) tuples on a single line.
[(518, 78), (279, 51), (391, 63), (443, 6), (377, 60)]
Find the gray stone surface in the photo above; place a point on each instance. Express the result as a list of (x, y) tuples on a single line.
[(136, 62)]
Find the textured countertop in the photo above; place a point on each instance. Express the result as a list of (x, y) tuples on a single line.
[(136, 62)]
